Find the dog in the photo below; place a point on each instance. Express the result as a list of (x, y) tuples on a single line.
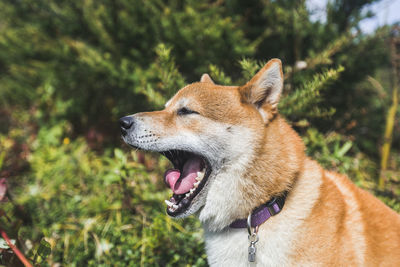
[(262, 202)]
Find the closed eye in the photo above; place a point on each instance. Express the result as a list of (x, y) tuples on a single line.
[(186, 111)]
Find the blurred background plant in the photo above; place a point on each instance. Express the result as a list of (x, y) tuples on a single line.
[(70, 69)]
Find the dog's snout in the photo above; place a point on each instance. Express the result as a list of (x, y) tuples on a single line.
[(126, 123)]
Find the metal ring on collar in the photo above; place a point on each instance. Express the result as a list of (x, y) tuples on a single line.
[(249, 224), (249, 227)]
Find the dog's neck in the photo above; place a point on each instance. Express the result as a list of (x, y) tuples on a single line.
[(272, 169), (278, 163)]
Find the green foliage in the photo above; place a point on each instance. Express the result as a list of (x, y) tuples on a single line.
[(304, 102), (70, 69), (43, 251), (109, 58), (338, 153), (100, 210), (161, 79), (219, 76), (250, 68)]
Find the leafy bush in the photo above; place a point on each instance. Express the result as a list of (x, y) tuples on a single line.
[(100, 210), (69, 70)]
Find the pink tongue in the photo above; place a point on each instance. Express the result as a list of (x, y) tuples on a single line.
[(182, 183)]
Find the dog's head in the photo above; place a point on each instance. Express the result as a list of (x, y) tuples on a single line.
[(211, 134)]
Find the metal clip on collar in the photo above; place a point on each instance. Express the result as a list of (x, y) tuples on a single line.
[(253, 238), (249, 226)]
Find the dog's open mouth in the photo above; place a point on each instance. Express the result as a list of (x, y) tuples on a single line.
[(186, 179)]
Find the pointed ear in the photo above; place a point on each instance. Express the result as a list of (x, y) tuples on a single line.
[(205, 78), (265, 87)]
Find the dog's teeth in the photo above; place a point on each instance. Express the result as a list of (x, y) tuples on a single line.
[(169, 203), (196, 184), (192, 190), (175, 206), (200, 175), (187, 195)]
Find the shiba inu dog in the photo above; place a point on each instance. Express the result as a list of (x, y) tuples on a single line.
[(238, 165)]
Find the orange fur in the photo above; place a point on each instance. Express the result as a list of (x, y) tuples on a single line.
[(344, 225)]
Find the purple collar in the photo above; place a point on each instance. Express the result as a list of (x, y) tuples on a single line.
[(262, 213)]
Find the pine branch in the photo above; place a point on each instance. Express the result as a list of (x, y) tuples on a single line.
[(250, 67), (219, 75), (304, 101)]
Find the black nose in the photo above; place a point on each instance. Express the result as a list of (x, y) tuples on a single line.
[(125, 123)]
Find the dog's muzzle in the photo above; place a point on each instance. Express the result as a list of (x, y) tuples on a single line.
[(126, 123)]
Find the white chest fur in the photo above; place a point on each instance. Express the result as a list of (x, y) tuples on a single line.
[(230, 248), (277, 236)]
